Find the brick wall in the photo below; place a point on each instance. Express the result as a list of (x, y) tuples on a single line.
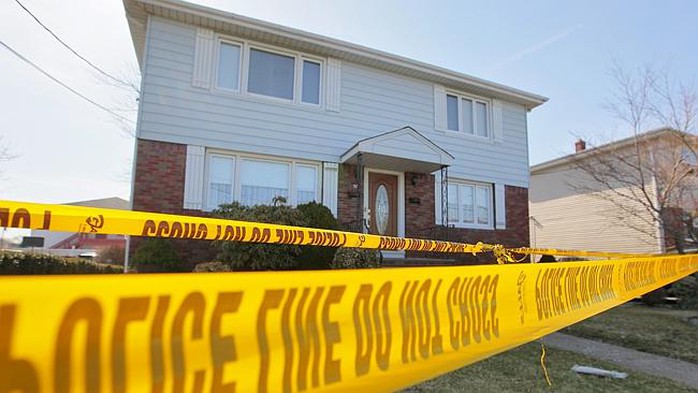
[(419, 203), (419, 218), (159, 187), (347, 197)]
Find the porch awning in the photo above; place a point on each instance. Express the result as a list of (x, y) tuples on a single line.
[(402, 150)]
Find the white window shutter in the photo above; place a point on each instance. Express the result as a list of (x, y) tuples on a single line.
[(439, 108), (203, 58), (497, 121), (500, 206), (194, 178), (437, 198), (333, 83), (330, 178)]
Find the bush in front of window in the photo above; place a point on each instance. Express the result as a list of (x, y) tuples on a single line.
[(158, 255), (356, 258), (250, 256), (317, 257)]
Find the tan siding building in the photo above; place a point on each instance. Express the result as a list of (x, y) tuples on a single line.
[(564, 217)]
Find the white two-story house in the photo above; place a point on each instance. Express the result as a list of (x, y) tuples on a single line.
[(237, 109)]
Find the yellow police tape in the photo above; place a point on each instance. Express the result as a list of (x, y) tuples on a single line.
[(124, 222), (575, 253), (358, 330)]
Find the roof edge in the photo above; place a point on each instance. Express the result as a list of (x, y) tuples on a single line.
[(534, 169), (530, 100)]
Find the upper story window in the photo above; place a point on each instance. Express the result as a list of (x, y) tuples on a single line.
[(468, 115), (271, 74), (266, 72), (470, 204), (229, 64), (258, 181)]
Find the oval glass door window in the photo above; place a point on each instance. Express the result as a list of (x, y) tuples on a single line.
[(382, 209)]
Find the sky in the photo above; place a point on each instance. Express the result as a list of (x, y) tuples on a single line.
[(64, 149)]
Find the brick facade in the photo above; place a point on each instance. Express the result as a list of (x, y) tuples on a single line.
[(420, 218), (516, 233), (419, 203), (159, 187), (347, 197)]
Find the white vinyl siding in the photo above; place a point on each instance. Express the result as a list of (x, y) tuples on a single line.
[(564, 218), (253, 180), (372, 101), (469, 204)]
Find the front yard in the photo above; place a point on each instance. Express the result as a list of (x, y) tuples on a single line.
[(519, 370), (659, 330)]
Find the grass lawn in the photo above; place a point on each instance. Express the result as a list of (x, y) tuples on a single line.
[(519, 370), (657, 330)]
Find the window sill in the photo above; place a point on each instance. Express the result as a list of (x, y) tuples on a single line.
[(471, 226), (266, 100), (463, 135)]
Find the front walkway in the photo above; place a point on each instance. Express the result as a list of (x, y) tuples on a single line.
[(676, 370)]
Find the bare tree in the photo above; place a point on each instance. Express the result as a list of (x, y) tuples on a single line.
[(125, 96), (649, 179)]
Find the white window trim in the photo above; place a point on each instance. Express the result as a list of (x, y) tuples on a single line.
[(298, 57), (217, 64), (490, 203), (237, 187), (475, 99)]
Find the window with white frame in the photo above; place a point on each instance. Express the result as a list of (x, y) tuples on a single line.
[(259, 180), (284, 75), (469, 204), (229, 64), (468, 115), (221, 176)]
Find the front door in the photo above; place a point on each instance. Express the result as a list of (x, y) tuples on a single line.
[(382, 202)]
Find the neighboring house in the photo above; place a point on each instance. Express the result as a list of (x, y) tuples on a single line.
[(237, 109), (73, 243), (594, 199)]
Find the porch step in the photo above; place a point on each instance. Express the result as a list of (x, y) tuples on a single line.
[(416, 262)]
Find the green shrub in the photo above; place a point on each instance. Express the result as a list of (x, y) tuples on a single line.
[(686, 290), (317, 257), (249, 256), (356, 258), (211, 267), (14, 263), (111, 255), (157, 255)]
